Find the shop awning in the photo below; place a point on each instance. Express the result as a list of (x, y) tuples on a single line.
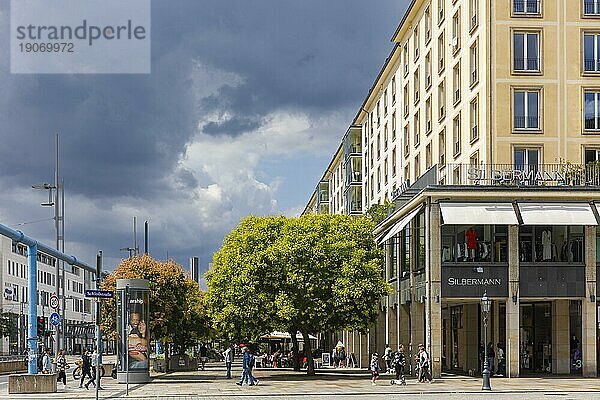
[(478, 213), (557, 214), (285, 335), (399, 225)]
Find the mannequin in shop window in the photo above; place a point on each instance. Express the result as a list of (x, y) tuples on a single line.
[(546, 245), (471, 239)]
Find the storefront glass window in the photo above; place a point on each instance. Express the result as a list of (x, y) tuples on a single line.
[(392, 267), (405, 253), (420, 242), (563, 244), (474, 243)]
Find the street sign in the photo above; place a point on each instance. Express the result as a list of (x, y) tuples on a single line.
[(54, 301), (54, 319), (105, 294)]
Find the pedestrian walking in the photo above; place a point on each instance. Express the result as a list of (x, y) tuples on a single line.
[(61, 367), (86, 369), (95, 360), (47, 362), (245, 360), (250, 376), (501, 361), (203, 355), (387, 357), (424, 365), (491, 357), (398, 363), (374, 366), (335, 357), (228, 356)]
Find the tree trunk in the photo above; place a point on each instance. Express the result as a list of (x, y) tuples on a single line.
[(310, 370), (295, 350)]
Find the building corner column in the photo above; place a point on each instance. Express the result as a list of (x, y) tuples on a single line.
[(588, 307), (513, 306), (434, 300)]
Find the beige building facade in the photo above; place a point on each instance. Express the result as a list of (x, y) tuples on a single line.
[(482, 127)]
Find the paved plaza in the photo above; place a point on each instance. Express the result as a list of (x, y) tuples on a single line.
[(328, 384)]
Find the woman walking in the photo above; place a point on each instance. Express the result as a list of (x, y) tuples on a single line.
[(61, 367)]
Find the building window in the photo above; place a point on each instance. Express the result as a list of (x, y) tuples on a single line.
[(378, 115), (591, 7), (456, 83), (417, 167), (440, 11), (393, 90), (526, 158), (417, 129), (372, 184), (394, 162), (474, 128), (442, 148), (428, 156), (557, 244), (372, 155), (456, 32), (385, 102), (591, 52), (427, 25), (592, 111), (420, 241), (406, 140), (385, 137), (405, 253), (406, 99), (473, 13), (474, 62), (385, 171), (441, 51), (416, 41), (479, 243), (416, 84), (378, 145), (405, 52), (527, 7), (378, 179), (407, 172), (456, 135), (592, 156), (526, 108), (474, 159), (442, 100), (428, 124), (428, 71), (526, 47), (393, 126)]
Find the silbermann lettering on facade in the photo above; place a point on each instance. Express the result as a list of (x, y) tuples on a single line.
[(474, 282), (529, 176)]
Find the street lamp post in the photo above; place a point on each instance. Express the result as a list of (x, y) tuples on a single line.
[(485, 303)]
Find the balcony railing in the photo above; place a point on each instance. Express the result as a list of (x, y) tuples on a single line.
[(522, 122), (521, 175), (526, 6), (526, 64), (591, 65)]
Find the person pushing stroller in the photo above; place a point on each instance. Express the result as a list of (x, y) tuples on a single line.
[(398, 363)]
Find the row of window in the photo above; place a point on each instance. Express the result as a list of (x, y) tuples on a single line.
[(534, 7)]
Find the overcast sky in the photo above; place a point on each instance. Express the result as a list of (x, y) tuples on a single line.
[(246, 103)]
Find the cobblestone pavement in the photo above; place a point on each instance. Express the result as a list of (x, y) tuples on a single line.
[(328, 384)]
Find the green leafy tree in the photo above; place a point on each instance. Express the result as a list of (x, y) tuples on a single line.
[(378, 212), (310, 274), (177, 313), (8, 324)]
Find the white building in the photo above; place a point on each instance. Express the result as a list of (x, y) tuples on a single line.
[(13, 280)]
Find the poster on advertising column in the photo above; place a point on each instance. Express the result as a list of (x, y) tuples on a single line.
[(133, 329)]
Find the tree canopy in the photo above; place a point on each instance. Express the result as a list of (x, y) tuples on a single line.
[(177, 312), (378, 212), (313, 274), (8, 324)]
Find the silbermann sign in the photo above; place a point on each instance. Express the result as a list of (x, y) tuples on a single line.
[(531, 176), (473, 281)]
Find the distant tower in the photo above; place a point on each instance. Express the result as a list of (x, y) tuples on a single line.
[(194, 269)]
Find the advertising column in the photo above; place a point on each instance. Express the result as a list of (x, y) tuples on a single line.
[(133, 331)]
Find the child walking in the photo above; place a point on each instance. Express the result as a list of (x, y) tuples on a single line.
[(374, 368)]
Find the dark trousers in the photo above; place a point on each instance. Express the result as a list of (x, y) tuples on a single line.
[(425, 374), (62, 376), (228, 364), (86, 372), (399, 372)]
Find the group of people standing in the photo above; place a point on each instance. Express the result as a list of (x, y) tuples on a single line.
[(495, 358), (395, 362)]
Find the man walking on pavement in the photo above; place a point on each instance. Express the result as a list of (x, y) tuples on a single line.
[(387, 357), (228, 355), (247, 364)]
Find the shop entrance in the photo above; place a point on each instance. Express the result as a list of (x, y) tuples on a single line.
[(536, 338)]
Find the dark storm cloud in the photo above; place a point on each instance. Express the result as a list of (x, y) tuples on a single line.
[(123, 135)]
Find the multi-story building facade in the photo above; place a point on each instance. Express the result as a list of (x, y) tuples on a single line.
[(79, 330), (482, 127)]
